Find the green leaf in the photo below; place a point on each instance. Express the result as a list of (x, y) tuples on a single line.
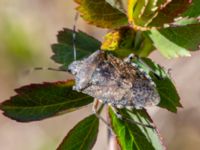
[(193, 10), (144, 15), (63, 50), (171, 11), (176, 41), (121, 39), (133, 136), (143, 46), (126, 40), (101, 14), (170, 99), (40, 101), (83, 136)]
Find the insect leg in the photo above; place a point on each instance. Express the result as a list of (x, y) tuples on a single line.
[(129, 120), (149, 68), (83, 88), (129, 58), (142, 72), (96, 112)]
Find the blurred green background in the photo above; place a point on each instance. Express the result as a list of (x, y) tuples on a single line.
[(27, 29)]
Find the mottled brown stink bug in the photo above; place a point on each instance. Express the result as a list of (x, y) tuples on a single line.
[(111, 80), (114, 81)]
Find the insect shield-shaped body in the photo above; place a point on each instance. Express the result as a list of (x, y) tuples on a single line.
[(114, 81)]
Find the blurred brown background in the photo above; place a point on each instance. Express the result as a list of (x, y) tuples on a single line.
[(27, 29)]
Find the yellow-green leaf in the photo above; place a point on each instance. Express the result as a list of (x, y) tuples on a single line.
[(100, 13), (145, 14), (176, 41), (126, 40), (122, 38)]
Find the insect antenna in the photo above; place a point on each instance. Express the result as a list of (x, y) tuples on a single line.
[(74, 34), (74, 51), (29, 71), (49, 68)]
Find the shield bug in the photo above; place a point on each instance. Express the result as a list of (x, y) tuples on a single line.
[(111, 80), (114, 81)]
